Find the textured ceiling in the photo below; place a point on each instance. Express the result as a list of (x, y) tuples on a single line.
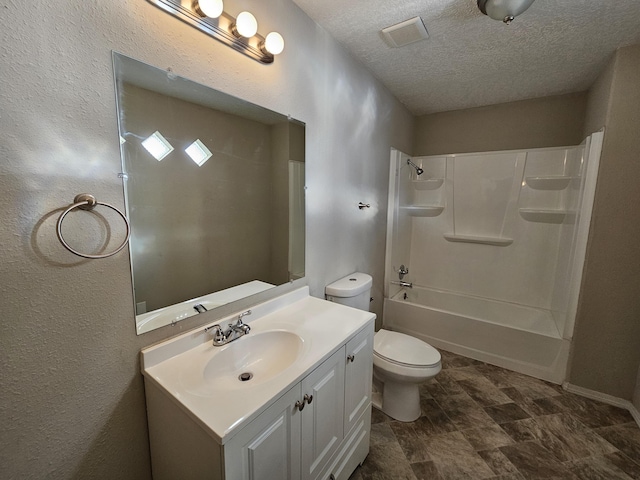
[(470, 60)]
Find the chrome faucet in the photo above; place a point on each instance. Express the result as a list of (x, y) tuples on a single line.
[(235, 331), (198, 307), (402, 272), (239, 325)]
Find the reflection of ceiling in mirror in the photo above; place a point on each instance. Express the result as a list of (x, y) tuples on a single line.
[(170, 84)]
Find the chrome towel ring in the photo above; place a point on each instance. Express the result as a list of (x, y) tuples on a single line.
[(85, 201)]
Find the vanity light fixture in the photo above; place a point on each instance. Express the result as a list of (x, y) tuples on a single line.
[(198, 152), (245, 25), (209, 8), (273, 44), (157, 146), (240, 33)]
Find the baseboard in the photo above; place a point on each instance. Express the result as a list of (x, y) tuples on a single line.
[(604, 398)]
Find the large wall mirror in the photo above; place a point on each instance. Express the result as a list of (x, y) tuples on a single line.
[(214, 190)]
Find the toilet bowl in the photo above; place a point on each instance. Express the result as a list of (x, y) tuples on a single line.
[(400, 362)]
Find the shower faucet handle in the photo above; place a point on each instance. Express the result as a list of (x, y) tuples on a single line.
[(402, 272)]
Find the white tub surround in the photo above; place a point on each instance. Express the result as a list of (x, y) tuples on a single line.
[(496, 275), (197, 402)]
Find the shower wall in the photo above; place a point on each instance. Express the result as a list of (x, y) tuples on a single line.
[(495, 244), (494, 225)]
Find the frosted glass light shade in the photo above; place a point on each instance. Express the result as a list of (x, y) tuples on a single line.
[(246, 25), (274, 43), (503, 9), (210, 8)]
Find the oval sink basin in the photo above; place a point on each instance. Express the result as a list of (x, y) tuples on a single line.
[(248, 361)]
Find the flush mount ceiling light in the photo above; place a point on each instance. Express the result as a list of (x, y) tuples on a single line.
[(239, 33), (504, 10)]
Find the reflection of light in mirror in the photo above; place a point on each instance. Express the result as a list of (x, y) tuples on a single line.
[(198, 152), (157, 146), (122, 140)]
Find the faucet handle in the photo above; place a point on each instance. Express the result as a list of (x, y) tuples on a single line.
[(218, 334), (243, 314)]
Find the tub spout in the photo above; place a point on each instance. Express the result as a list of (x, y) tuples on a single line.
[(403, 284)]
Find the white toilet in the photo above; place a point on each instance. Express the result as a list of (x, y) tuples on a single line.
[(400, 362)]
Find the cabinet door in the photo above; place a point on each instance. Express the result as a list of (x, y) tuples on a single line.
[(322, 417), (268, 448), (358, 377)]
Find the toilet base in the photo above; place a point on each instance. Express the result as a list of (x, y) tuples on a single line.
[(401, 401)]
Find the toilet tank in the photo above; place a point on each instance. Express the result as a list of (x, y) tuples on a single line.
[(353, 291)]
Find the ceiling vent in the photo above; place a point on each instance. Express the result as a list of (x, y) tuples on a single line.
[(404, 33)]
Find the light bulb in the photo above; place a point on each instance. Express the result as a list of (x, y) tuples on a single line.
[(209, 8), (246, 25), (273, 44)]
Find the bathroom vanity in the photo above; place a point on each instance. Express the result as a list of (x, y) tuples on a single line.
[(289, 400)]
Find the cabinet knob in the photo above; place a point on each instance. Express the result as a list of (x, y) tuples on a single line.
[(299, 405), (308, 398), (351, 358)]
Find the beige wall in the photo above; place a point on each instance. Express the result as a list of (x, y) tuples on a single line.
[(71, 393), (279, 198), (606, 347), (540, 122)]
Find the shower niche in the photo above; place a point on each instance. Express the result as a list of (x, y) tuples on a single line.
[(426, 187), (495, 245)]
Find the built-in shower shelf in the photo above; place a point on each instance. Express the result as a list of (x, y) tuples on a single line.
[(549, 182), (497, 241), (423, 210), (545, 215), (427, 184)]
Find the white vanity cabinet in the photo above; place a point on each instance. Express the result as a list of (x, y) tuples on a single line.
[(316, 428), (288, 443), (297, 435)]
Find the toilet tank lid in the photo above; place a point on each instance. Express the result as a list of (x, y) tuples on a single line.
[(349, 286)]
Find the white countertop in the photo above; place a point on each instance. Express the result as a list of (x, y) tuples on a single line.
[(177, 365)]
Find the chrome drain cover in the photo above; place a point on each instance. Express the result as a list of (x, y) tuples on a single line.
[(245, 377)]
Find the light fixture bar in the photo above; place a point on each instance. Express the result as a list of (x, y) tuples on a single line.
[(218, 28)]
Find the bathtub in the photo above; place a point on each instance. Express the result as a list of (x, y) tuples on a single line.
[(517, 337)]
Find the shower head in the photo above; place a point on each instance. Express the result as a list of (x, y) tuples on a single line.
[(419, 171)]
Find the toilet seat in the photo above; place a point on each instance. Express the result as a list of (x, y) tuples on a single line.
[(404, 351)]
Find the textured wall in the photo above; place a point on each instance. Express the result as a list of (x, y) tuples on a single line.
[(606, 347), (71, 395), (540, 122)]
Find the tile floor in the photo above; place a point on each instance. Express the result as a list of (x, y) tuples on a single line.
[(484, 422)]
